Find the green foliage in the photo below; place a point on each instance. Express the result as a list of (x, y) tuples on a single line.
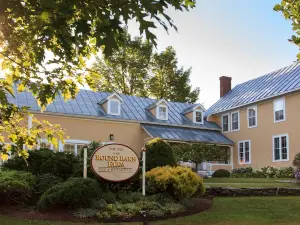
[(109, 197), (75, 192), (60, 164), (296, 161), (129, 197), (169, 81), (126, 70), (159, 153), (15, 186), (265, 172), (221, 173), (200, 152), (156, 213), (179, 182), (84, 213), (192, 202), (172, 208), (45, 47), (44, 182), (45, 161), (99, 204), (291, 11)]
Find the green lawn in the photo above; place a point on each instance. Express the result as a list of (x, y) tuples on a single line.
[(248, 182), (226, 211)]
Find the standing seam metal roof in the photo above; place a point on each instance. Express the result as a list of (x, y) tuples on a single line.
[(276, 83)]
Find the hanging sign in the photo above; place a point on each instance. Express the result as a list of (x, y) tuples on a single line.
[(115, 162)]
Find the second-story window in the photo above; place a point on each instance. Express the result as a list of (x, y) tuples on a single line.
[(279, 110), (198, 116), (235, 121), (162, 112), (225, 123), (114, 107), (252, 116)]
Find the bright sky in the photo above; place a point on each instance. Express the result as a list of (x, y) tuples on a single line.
[(242, 39)]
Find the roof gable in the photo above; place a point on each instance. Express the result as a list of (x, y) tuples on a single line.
[(271, 85)]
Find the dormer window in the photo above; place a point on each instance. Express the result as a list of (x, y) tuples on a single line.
[(112, 104), (162, 112), (114, 107), (198, 116)]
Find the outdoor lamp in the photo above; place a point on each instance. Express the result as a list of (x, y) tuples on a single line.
[(111, 137)]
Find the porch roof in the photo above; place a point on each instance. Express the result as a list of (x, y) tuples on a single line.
[(171, 133)]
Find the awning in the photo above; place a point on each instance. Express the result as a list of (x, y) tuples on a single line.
[(172, 133)]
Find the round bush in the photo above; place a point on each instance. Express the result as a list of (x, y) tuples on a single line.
[(75, 192), (296, 161), (44, 182), (159, 153), (180, 182), (221, 173), (15, 186)]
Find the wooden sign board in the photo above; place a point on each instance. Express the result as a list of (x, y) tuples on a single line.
[(115, 162)]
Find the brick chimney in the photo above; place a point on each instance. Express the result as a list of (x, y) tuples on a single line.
[(225, 85)]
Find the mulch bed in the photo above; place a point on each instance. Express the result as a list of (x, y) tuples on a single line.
[(63, 214)]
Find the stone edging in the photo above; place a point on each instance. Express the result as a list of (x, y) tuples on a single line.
[(230, 191)]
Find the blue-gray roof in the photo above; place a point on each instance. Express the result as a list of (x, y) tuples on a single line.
[(186, 134), (274, 84), (86, 103)]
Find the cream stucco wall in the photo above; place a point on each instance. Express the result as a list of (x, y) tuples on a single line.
[(261, 137), (130, 134)]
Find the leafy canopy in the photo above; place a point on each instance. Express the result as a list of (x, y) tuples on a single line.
[(290, 9), (44, 46)]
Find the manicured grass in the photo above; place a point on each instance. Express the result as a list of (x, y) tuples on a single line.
[(248, 182), (226, 211)]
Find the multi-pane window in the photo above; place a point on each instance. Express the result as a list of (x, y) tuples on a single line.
[(244, 152), (162, 112), (198, 116), (280, 148), (73, 148), (225, 123), (114, 107), (279, 110), (235, 124), (252, 117)]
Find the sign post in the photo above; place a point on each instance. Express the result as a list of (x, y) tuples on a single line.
[(144, 171), (115, 162), (85, 163)]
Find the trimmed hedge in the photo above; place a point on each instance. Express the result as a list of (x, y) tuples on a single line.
[(15, 186), (159, 153), (265, 172), (180, 182), (75, 192), (221, 173)]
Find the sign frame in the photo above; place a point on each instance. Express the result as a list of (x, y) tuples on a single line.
[(114, 181)]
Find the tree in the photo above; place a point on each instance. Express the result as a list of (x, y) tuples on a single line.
[(291, 11), (126, 70), (201, 152), (170, 82), (44, 46)]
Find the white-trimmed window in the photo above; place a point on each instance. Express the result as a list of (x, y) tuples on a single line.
[(114, 107), (252, 116), (73, 146), (280, 148), (279, 110), (244, 149), (162, 112), (225, 123), (235, 121), (198, 116)]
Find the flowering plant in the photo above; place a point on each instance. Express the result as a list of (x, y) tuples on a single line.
[(297, 173)]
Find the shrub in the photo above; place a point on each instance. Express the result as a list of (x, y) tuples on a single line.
[(221, 173), (45, 181), (192, 202), (73, 193), (99, 204), (296, 161), (297, 173), (15, 186), (179, 182), (156, 213), (159, 153), (85, 213), (172, 208), (287, 172), (109, 197), (60, 164), (129, 197)]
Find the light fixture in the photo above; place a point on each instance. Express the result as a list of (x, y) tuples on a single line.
[(111, 137)]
